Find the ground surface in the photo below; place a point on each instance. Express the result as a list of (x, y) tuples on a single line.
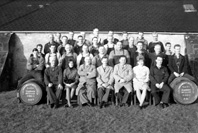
[(84, 15), (19, 118)]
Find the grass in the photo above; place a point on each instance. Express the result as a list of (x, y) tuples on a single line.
[(19, 118)]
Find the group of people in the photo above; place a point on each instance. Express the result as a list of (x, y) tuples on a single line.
[(92, 69)]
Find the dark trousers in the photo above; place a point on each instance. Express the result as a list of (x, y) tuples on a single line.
[(123, 98), (37, 75), (172, 77), (53, 94), (165, 96), (103, 94)]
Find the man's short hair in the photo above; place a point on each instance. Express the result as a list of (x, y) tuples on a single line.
[(140, 57), (94, 37), (80, 36), (52, 45), (154, 34), (160, 56), (65, 36), (140, 42), (39, 45), (35, 49), (104, 57), (123, 56), (140, 32), (167, 43), (157, 45), (177, 45), (118, 42)]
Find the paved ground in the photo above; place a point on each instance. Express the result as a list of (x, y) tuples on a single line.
[(84, 15)]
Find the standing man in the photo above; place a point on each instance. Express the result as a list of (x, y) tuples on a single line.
[(142, 39), (178, 65), (51, 42), (159, 76), (87, 83), (40, 48), (123, 78), (117, 53), (105, 81), (71, 40), (168, 49), (97, 60), (154, 42), (125, 40)]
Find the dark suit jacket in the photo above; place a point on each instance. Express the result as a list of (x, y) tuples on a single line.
[(173, 66)]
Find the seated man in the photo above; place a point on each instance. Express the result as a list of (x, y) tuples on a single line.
[(87, 83), (53, 78), (35, 66), (70, 79), (178, 65), (140, 80), (123, 77), (105, 81), (159, 76)]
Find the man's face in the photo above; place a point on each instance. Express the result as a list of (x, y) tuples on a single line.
[(70, 35), (87, 60), (131, 41), (51, 38), (119, 45), (85, 48), (52, 49), (139, 46), (177, 50), (110, 33), (159, 61), (58, 36), (96, 32), (157, 49), (125, 36), (140, 35), (64, 40), (39, 49), (168, 47), (68, 48), (80, 40), (104, 61), (95, 41), (71, 64), (35, 53), (122, 60), (101, 50), (155, 37), (110, 39)]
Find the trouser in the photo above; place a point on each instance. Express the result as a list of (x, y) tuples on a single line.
[(37, 75), (165, 96), (123, 98), (53, 94), (86, 94), (172, 77), (103, 94)]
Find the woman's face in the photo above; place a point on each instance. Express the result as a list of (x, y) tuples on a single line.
[(71, 64), (140, 62)]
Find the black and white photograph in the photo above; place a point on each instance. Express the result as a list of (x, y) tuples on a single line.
[(98, 66)]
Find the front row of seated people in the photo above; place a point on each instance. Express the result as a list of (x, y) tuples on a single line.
[(92, 77)]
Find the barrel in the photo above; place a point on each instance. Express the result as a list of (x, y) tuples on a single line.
[(185, 91), (31, 92)]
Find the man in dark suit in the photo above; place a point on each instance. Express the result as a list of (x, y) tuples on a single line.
[(178, 65)]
